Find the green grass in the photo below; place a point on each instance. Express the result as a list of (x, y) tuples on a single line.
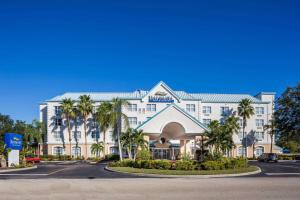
[(181, 172)]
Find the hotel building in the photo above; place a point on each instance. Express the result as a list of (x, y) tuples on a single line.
[(173, 121)]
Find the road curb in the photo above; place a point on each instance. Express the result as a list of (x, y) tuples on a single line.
[(19, 169), (189, 176), (61, 162)]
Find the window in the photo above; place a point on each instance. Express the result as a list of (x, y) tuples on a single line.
[(151, 107), (57, 121), (259, 151), (240, 151), (259, 122), (190, 107), (76, 151), (206, 121), (240, 123), (259, 136), (95, 135), (206, 109), (132, 107), (58, 151), (240, 135), (57, 135), (259, 110), (76, 135), (132, 121), (94, 122), (57, 110), (111, 136), (224, 111)]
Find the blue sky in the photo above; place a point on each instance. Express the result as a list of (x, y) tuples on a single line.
[(51, 47)]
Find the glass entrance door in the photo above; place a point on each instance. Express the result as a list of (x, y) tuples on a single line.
[(165, 153)]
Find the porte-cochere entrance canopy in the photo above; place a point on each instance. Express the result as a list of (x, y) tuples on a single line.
[(172, 132)]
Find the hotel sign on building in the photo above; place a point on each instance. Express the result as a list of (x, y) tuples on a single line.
[(172, 120), (161, 97)]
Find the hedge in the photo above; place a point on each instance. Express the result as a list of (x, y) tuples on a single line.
[(181, 164)]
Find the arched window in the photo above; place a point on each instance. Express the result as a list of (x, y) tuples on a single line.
[(58, 151), (76, 151), (259, 150)]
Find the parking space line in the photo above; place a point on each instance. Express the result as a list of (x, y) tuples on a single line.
[(276, 174), (23, 174)]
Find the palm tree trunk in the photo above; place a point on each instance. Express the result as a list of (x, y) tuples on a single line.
[(70, 137), (39, 150), (271, 143), (119, 124), (85, 140), (120, 147), (243, 140), (104, 142)]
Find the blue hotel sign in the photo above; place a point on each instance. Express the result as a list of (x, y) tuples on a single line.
[(160, 98), (13, 141)]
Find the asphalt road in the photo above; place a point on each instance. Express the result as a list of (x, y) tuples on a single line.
[(78, 170), (81, 170), (262, 188)]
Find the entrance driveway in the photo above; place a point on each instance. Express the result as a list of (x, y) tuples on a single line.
[(82, 170), (78, 170)]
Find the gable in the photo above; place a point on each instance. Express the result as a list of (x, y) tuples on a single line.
[(161, 93), (170, 114)]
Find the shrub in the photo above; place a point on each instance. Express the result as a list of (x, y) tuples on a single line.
[(285, 157), (143, 155), (186, 157), (184, 165), (213, 165), (112, 157), (161, 164)]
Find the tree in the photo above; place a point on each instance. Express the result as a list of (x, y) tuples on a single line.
[(117, 117), (97, 148), (85, 108), (271, 130), (68, 113), (214, 135), (139, 141), (6, 125), (104, 119), (287, 116), (229, 128), (133, 140), (127, 141), (38, 132), (245, 110)]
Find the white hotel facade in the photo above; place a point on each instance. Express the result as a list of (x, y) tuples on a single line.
[(173, 121)]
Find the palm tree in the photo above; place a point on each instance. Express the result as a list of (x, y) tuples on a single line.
[(39, 134), (68, 112), (103, 117), (245, 110), (133, 140), (214, 135), (127, 141), (139, 141), (271, 130), (117, 116), (230, 127), (97, 148), (85, 108)]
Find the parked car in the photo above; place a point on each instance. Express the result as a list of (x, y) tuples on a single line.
[(32, 159), (267, 157)]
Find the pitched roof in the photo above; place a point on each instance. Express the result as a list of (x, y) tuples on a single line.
[(140, 94)]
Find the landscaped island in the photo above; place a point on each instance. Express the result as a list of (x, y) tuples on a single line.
[(183, 167)]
